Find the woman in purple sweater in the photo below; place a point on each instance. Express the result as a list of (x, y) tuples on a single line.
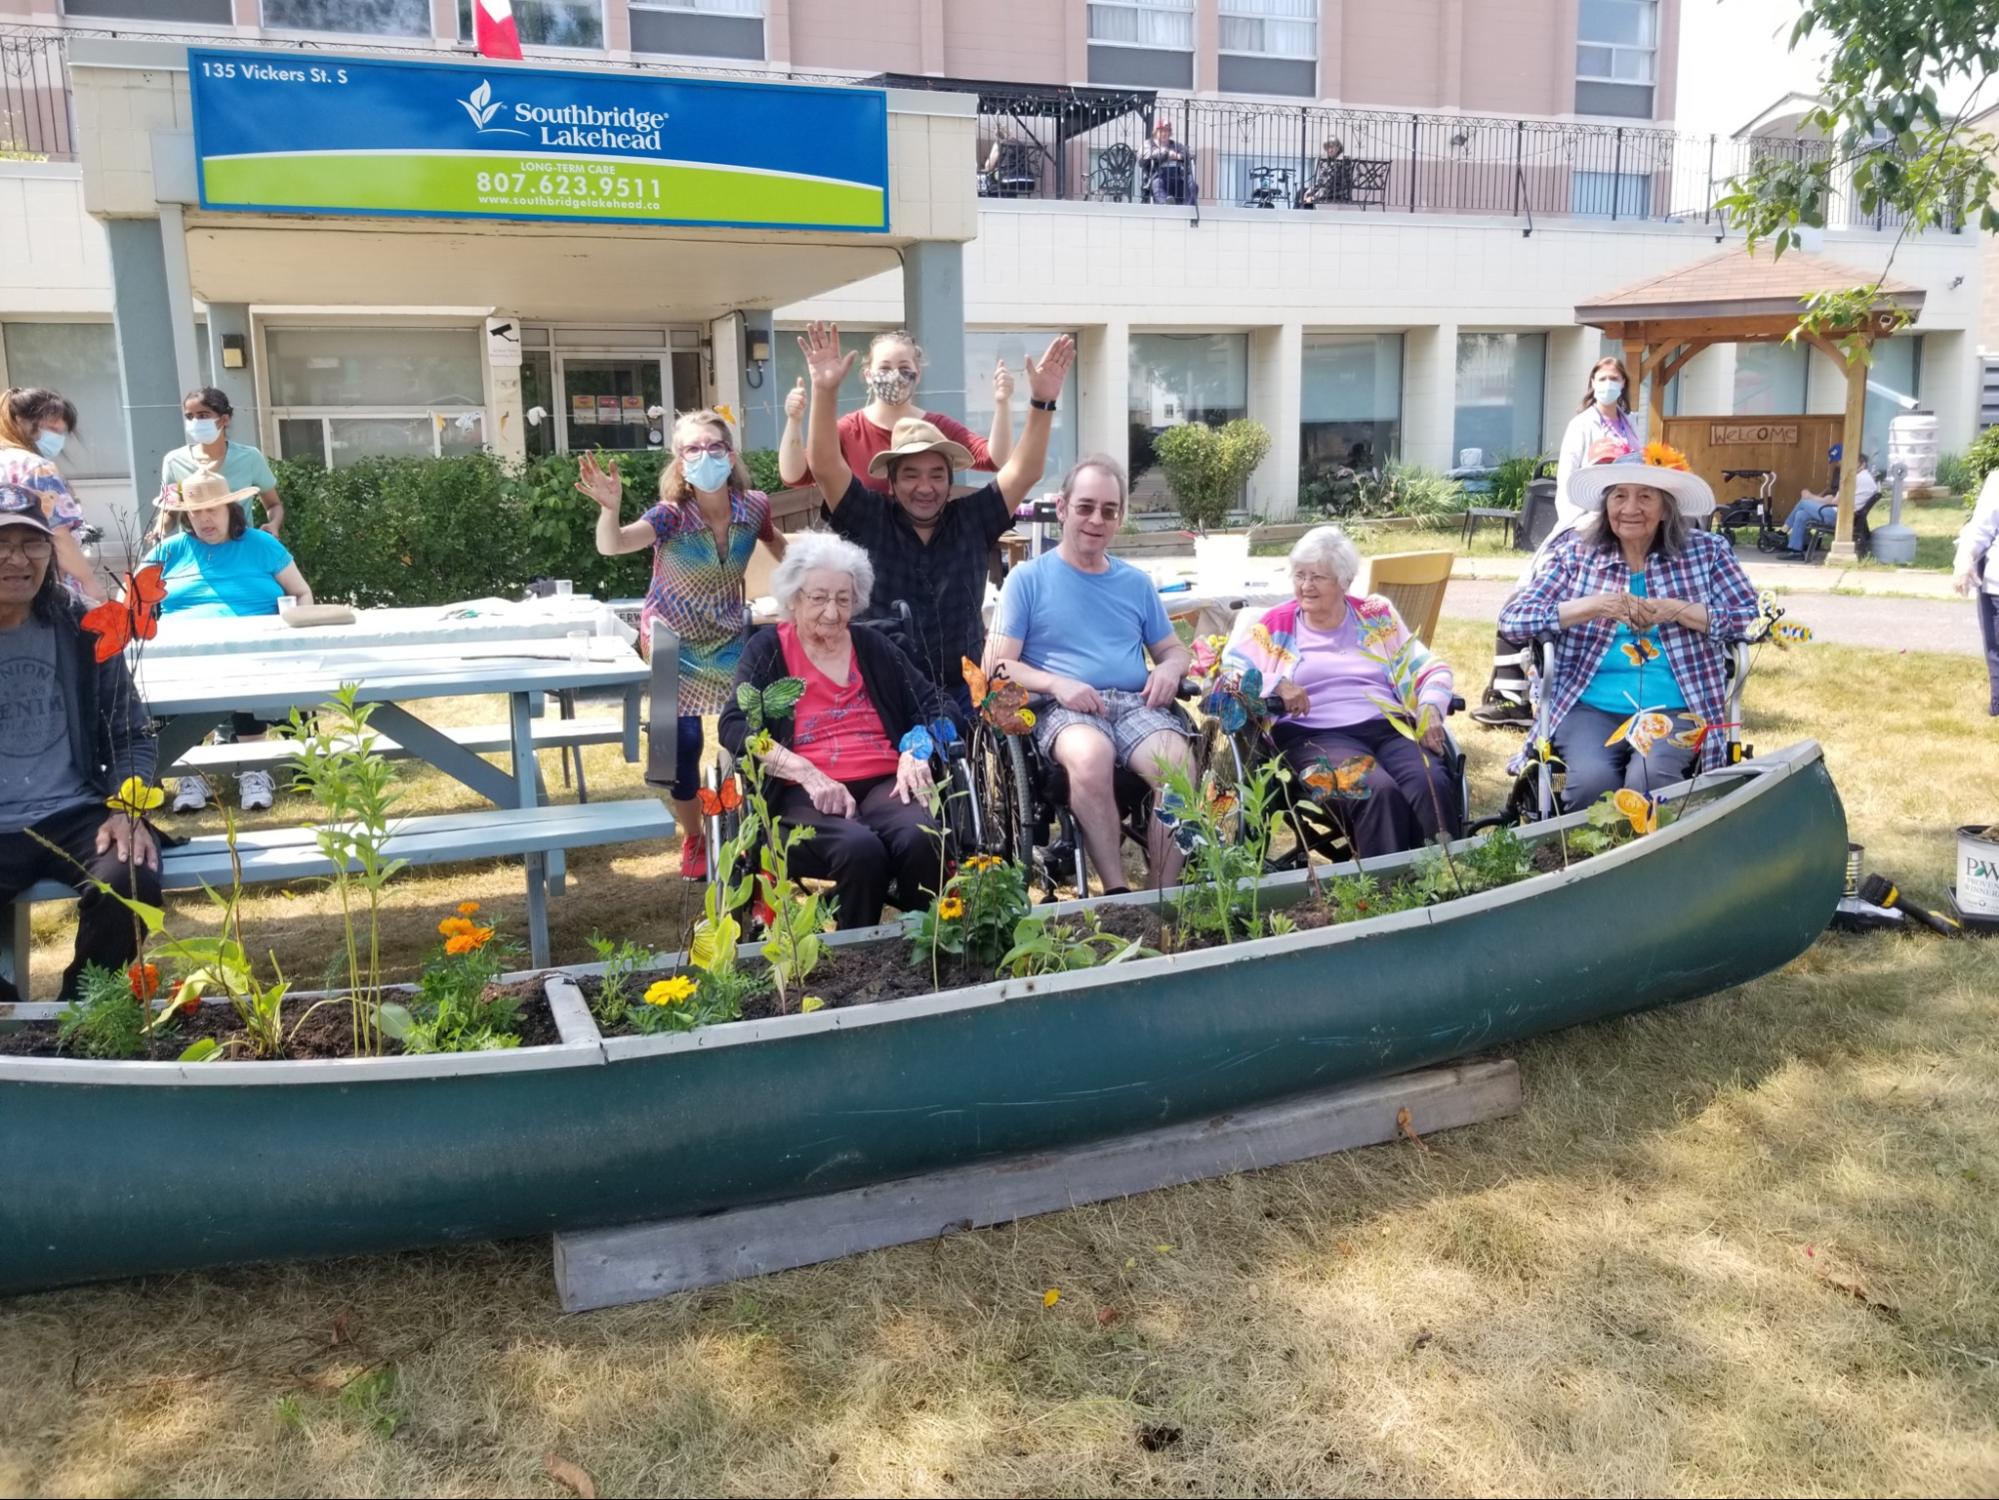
[(1328, 656)]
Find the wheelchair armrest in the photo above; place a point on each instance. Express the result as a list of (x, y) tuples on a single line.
[(1456, 705)]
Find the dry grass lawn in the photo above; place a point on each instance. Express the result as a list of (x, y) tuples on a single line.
[(1749, 1245)]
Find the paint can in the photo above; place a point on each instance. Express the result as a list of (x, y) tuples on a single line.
[(1978, 870), (1853, 867)]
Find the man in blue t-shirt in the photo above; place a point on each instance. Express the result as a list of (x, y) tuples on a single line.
[(1077, 624)]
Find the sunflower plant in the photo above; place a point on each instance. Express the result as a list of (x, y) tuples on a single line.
[(975, 915)]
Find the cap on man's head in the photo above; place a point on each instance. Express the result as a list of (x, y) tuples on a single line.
[(20, 506)]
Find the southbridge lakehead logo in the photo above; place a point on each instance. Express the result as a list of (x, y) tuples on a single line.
[(570, 125)]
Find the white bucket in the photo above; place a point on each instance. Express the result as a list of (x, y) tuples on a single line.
[(1912, 442), (1223, 549), (1978, 871)]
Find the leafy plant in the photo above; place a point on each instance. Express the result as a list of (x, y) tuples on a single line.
[(1355, 898), (1618, 817), (1954, 474), (976, 915), (452, 1011), (615, 989), (1225, 835), (1496, 860), (1980, 460), (1511, 478), (1399, 490), (337, 764), (1045, 946), (106, 1020), (1207, 467)]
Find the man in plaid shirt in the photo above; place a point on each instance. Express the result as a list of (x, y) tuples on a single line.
[(1644, 608)]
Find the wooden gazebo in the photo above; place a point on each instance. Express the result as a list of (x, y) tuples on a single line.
[(1739, 297)]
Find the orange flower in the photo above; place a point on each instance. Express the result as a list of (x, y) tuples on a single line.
[(144, 979), (1661, 456), (469, 941), (455, 927), (468, 908)]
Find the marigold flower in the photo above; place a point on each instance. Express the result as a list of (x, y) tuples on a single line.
[(468, 908), (950, 909), (144, 979), (455, 927), (670, 991)]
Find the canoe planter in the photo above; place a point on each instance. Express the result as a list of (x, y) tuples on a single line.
[(117, 1168)]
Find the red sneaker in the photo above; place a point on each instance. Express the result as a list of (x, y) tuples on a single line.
[(694, 857)]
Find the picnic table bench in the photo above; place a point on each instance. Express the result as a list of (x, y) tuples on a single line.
[(276, 856)]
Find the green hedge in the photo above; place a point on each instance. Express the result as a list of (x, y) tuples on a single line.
[(412, 531)]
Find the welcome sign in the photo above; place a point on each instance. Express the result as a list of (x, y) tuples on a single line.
[(310, 133)]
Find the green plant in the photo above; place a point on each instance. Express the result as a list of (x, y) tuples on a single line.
[(1044, 946), (1510, 480), (1979, 460), (763, 467), (1207, 467), (367, 1397), (1355, 898), (1225, 835), (1498, 859), (975, 915), (337, 764), (615, 996), (451, 1011), (1954, 474), (1399, 490), (106, 1020)]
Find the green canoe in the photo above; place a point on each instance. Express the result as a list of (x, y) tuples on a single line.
[(114, 1169)]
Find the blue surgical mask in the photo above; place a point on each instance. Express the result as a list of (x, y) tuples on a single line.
[(708, 472), (1607, 391), (49, 444), (203, 429)]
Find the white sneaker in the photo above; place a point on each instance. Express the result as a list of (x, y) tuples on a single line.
[(190, 794), (257, 790)]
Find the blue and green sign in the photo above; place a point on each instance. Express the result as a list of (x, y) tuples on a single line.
[(311, 133)]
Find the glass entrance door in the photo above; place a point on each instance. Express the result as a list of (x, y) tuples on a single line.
[(607, 401)]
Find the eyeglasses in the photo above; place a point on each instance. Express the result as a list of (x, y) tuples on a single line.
[(703, 450), (819, 599), (33, 548), (1087, 510)]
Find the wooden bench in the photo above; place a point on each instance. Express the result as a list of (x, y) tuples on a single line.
[(281, 855)]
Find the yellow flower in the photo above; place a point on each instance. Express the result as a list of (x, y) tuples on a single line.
[(809, 1004), (670, 991), (468, 908), (759, 744), (983, 862), (1050, 1297), (950, 909), (726, 412), (135, 797)]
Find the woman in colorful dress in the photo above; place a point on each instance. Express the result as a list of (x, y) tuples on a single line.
[(703, 532), (34, 426), (1600, 432)]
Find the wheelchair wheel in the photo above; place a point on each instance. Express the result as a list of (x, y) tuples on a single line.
[(998, 768), (964, 818)]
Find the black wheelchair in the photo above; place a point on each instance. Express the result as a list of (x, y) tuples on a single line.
[(1741, 512)]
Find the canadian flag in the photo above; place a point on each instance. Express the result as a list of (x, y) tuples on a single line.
[(493, 29)]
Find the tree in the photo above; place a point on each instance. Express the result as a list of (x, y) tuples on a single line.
[(1206, 467), (1896, 147)]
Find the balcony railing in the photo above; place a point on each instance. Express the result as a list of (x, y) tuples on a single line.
[(34, 99)]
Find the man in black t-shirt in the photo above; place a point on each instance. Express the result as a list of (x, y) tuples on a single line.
[(929, 551)]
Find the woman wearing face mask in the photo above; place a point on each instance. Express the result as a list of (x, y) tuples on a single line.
[(205, 415), (1600, 433), (34, 426), (894, 367), (702, 533)]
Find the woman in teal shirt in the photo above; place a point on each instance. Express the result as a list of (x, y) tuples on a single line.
[(206, 415), (215, 566)]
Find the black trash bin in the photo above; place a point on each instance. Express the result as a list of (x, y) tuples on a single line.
[(1537, 511)]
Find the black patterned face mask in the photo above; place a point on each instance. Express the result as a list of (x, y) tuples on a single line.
[(890, 387)]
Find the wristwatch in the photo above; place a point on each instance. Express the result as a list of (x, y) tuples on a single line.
[(1041, 405)]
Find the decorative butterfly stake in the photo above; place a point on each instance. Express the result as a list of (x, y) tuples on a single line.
[(1237, 702), (135, 617), (998, 700), (1644, 729), (727, 798), (774, 702)]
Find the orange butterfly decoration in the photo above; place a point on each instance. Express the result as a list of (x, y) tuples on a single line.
[(118, 622), (1001, 702), (728, 799), (1347, 779)]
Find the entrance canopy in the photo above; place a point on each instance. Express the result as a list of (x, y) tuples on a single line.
[(1745, 298)]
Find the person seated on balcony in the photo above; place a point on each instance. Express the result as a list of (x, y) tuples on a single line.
[(215, 565), (1824, 509), (1322, 655), (1644, 606), (1165, 162), (1077, 625), (1009, 169), (703, 532), (929, 551), (836, 754), (1332, 176), (73, 731), (894, 370)]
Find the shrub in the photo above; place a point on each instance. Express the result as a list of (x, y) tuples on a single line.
[(1400, 490), (416, 531), (1954, 474), (1510, 479), (1980, 460), (1206, 467)]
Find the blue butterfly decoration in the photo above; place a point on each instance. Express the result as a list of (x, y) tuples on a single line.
[(1168, 810), (1230, 701)]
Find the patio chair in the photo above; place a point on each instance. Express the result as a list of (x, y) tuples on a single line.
[(1111, 179), (1414, 582)]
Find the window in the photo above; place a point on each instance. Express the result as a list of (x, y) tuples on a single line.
[(983, 348), (202, 12), (548, 23), (1350, 402), (1896, 371), (699, 28), (1175, 378), (364, 17), (1501, 392), (1142, 42), (341, 394), (1269, 47), (1616, 53), (1771, 380), (1611, 195), (81, 361)]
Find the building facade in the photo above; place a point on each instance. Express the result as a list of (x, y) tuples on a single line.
[(1505, 160)]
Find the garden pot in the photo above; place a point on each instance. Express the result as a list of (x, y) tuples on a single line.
[(1978, 870)]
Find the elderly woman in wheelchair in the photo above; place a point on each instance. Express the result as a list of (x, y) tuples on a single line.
[(1331, 664), (1643, 608), (848, 754)]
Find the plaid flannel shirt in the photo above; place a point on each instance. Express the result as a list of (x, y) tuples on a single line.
[(1705, 573)]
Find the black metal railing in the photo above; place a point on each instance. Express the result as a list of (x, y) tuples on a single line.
[(34, 99)]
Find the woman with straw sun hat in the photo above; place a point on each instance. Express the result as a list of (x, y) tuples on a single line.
[(216, 566), (1644, 606)]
